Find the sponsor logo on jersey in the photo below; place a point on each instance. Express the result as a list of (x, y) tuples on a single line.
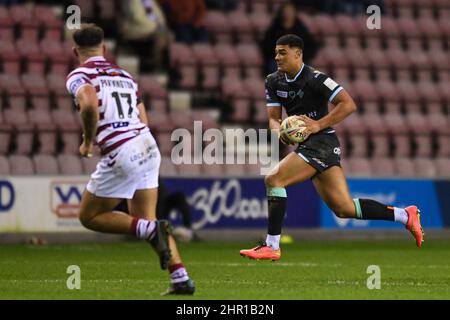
[(282, 94)]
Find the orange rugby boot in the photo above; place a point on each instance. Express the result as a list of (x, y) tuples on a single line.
[(262, 252), (413, 224)]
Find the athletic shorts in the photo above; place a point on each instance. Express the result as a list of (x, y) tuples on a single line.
[(133, 166), (321, 150)]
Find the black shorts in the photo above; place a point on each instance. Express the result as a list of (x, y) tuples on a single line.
[(321, 150)]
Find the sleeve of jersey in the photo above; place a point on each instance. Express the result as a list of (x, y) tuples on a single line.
[(271, 98), (76, 81), (326, 86)]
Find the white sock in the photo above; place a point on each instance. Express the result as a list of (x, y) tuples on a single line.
[(145, 229), (273, 241), (179, 275), (400, 215)]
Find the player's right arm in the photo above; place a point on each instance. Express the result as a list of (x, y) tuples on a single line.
[(88, 103)]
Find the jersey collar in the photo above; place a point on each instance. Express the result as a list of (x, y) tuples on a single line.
[(95, 58), (296, 76)]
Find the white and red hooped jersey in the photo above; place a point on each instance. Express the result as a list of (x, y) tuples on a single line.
[(118, 97)]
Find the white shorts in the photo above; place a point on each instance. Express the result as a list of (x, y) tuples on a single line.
[(133, 166)]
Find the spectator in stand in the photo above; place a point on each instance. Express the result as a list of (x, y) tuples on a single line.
[(223, 5), (286, 22), (187, 19), (143, 25)]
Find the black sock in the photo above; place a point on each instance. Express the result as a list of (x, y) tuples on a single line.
[(373, 210), (277, 211)]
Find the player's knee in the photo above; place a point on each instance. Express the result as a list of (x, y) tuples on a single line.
[(85, 219)]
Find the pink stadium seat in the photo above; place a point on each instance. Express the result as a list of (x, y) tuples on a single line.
[(251, 59), (87, 7), (424, 147), (21, 165), (365, 91), (404, 167), (219, 25), (4, 166), (54, 51), (374, 123), (260, 116), (70, 164), (71, 141), (65, 120), (327, 24), (424, 167), (160, 121), (408, 27), (359, 145), (260, 21), (443, 145), (20, 13), (208, 122), (56, 84), (164, 143), (438, 123), (5, 135), (382, 167), (402, 145), (182, 119), (380, 144), (40, 117), (443, 167), (89, 164), (167, 168), (46, 138), (359, 167), (30, 51), (241, 26), (45, 164), (354, 124), (9, 57), (35, 84), (241, 110), (209, 65), (417, 123)]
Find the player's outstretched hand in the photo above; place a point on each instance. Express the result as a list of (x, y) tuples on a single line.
[(86, 149), (312, 126)]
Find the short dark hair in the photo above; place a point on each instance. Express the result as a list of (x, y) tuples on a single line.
[(88, 36), (291, 40)]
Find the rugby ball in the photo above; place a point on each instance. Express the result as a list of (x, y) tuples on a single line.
[(292, 130)]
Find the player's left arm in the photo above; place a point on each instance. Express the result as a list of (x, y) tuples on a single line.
[(344, 106)]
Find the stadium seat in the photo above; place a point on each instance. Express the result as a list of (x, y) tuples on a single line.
[(21, 165), (160, 121), (4, 166), (241, 26), (229, 59), (417, 123), (164, 143), (402, 145), (380, 145), (167, 168), (359, 145), (382, 167), (219, 26), (260, 22), (404, 167), (20, 13), (88, 8), (208, 122), (54, 51), (443, 141), (424, 167), (65, 120), (423, 145), (35, 59), (251, 59), (69, 164), (359, 167), (209, 65), (5, 136), (47, 140), (9, 57), (45, 164), (442, 167), (71, 142), (260, 116)]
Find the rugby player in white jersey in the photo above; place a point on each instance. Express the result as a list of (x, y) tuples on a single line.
[(114, 118)]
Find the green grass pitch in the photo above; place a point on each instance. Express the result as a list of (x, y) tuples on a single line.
[(307, 270)]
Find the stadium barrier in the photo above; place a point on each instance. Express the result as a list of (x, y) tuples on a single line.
[(50, 204)]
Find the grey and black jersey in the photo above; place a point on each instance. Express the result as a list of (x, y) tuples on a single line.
[(308, 93)]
